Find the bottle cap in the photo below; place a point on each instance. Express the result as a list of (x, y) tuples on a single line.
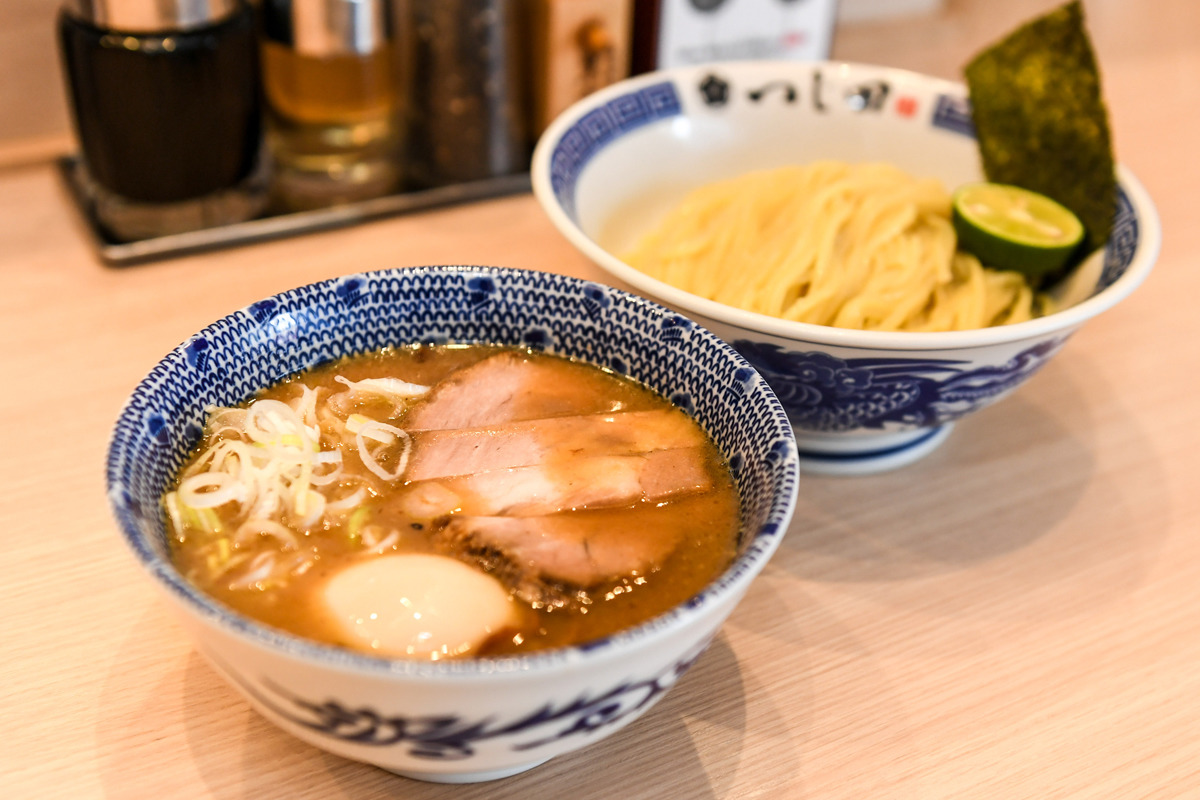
[(152, 16), (323, 28)]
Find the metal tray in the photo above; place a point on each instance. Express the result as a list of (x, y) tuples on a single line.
[(280, 225)]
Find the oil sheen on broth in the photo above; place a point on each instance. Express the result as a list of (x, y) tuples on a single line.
[(451, 501)]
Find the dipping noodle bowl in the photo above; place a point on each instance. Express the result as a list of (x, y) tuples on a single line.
[(640, 178)]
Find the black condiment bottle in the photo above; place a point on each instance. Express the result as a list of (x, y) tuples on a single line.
[(165, 99)]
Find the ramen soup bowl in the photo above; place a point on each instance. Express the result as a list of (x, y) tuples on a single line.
[(452, 720), (607, 170)]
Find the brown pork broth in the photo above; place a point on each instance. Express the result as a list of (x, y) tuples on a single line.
[(680, 540)]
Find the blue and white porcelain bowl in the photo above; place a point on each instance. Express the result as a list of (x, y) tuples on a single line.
[(610, 166), (471, 720)]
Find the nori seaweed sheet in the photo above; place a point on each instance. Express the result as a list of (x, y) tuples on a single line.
[(1041, 121)]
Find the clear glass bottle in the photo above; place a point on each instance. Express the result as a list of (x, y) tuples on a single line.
[(329, 78), (165, 105)]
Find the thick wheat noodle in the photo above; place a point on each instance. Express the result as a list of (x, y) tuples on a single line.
[(849, 245)]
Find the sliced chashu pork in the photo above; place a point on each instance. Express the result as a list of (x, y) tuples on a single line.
[(514, 445), (443, 453), (499, 389), (574, 483), (541, 556)]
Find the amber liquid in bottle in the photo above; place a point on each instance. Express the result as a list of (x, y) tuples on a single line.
[(332, 124)]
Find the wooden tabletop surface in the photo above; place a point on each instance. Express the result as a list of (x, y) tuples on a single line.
[(1016, 616)]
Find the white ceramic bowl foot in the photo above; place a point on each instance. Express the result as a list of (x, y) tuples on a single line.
[(869, 454), (468, 777)]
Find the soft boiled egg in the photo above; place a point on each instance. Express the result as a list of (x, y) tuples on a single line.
[(417, 606)]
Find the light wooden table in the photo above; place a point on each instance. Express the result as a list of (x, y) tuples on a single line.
[(1017, 616)]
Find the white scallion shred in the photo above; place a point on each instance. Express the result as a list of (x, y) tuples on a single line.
[(265, 527), (264, 475), (369, 428), (306, 406), (258, 571), (373, 429), (210, 489), (348, 502), (171, 502), (386, 543), (315, 505), (392, 389), (331, 457)]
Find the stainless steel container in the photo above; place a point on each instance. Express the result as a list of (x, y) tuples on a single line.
[(466, 109)]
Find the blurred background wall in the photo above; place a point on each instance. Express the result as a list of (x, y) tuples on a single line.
[(33, 114), (916, 33)]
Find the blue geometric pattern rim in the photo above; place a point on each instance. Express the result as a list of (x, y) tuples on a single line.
[(231, 359), (602, 125)]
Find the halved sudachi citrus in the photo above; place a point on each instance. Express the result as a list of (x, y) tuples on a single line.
[(1008, 227)]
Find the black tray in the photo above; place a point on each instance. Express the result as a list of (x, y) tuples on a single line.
[(280, 225)]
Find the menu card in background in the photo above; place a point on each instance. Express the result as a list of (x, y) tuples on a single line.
[(699, 31)]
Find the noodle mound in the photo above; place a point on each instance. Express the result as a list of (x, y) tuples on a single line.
[(863, 246)]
